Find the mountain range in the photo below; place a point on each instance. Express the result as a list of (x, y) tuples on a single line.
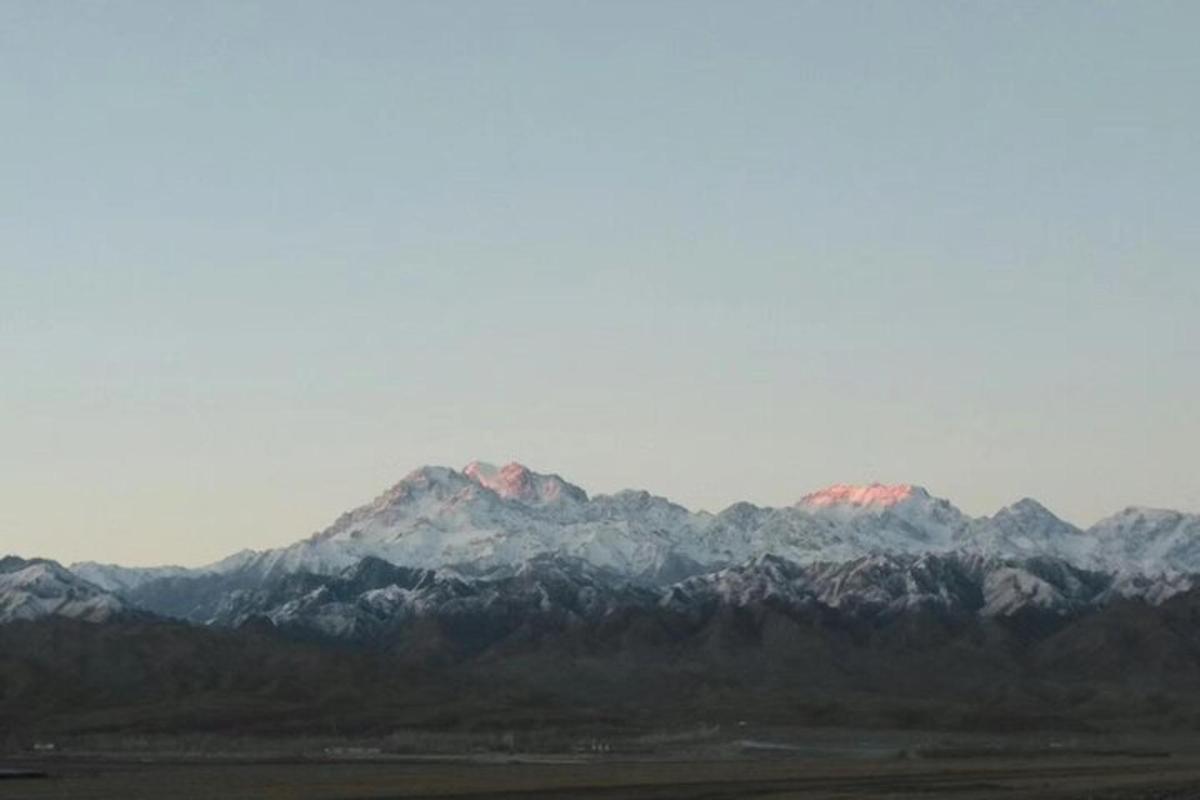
[(484, 516), (485, 523), (504, 566)]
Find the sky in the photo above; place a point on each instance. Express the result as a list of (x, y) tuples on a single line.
[(260, 260)]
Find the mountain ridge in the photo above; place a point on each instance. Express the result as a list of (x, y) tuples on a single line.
[(485, 516)]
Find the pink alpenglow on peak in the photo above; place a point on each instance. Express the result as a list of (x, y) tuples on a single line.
[(875, 495), (512, 481), (515, 481)]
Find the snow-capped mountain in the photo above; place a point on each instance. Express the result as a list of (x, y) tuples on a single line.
[(484, 517), (37, 588), (1148, 540), (1027, 528), (516, 482), (484, 539), (838, 523)]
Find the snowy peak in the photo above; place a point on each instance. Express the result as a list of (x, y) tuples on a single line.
[(886, 518), (1149, 540), (1027, 507), (1026, 528), (1143, 519), (1028, 516), (515, 481), (441, 483), (872, 496), (423, 489), (36, 588)]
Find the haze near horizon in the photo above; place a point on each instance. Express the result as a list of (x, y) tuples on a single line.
[(262, 259)]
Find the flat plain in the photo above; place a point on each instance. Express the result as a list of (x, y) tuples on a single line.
[(1113, 776)]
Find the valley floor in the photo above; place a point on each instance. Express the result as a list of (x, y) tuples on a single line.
[(1124, 775)]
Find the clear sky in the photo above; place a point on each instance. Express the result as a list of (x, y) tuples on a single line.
[(259, 260)]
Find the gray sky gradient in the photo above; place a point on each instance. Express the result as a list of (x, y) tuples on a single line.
[(258, 260)]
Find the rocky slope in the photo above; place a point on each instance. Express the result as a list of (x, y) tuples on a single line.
[(374, 600)]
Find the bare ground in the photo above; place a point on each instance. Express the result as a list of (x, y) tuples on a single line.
[(1100, 777)]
